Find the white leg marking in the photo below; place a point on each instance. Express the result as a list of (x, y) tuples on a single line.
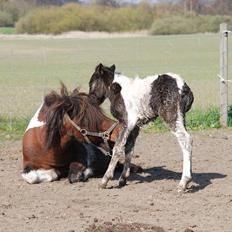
[(88, 172), (185, 141), (40, 175)]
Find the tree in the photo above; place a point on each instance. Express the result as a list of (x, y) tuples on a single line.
[(223, 6), (54, 2), (112, 3), (192, 5)]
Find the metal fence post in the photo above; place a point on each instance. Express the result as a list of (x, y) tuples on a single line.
[(224, 75)]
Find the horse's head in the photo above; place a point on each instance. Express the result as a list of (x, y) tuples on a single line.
[(100, 82), (66, 111), (58, 105)]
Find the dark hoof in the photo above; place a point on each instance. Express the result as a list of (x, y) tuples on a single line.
[(122, 182), (80, 177)]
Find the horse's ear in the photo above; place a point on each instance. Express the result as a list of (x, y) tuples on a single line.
[(63, 89), (113, 68), (99, 68)]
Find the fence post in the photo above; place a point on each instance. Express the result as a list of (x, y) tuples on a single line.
[(224, 75)]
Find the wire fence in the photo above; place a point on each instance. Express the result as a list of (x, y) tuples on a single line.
[(30, 68)]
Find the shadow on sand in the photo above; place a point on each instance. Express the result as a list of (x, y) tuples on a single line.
[(160, 173)]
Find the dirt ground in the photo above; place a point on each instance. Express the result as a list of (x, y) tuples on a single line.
[(149, 202)]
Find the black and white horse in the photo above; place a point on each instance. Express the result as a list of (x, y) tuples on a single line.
[(135, 102)]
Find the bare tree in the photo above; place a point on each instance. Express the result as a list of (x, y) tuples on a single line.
[(223, 6), (54, 2), (113, 3)]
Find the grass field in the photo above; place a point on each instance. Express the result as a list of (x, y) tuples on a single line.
[(31, 67), (7, 30)]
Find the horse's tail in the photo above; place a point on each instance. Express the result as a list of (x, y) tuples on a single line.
[(187, 99)]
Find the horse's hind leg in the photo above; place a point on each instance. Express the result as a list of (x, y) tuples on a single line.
[(177, 126), (129, 150), (40, 175)]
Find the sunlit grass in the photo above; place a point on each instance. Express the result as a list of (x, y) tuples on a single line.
[(13, 128), (7, 30), (195, 120), (32, 67)]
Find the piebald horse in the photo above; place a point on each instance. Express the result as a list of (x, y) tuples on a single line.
[(135, 102), (65, 137)]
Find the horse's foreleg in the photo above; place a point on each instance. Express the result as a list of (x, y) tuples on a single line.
[(129, 150), (118, 150)]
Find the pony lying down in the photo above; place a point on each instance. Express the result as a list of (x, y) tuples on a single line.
[(135, 102), (68, 137)]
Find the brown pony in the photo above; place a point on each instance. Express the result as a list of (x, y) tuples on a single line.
[(57, 143)]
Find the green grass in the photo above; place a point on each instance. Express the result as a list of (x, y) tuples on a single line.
[(195, 120), (30, 68), (7, 30), (13, 128)]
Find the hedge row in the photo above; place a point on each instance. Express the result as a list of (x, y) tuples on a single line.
[(5, 19), (54, 20), (188, 24), (85, 18)]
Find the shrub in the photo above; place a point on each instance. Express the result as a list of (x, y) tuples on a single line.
[(85, 18), (11, 10), (188, 24), (5, 19)]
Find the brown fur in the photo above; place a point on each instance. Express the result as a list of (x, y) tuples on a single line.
[(41, 148), (79, 108)]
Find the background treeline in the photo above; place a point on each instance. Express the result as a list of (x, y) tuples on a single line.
[(164, 17)]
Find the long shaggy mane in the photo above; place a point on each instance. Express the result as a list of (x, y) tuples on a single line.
[(79, 108)]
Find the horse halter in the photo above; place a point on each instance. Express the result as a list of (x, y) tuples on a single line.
[(85, 133)]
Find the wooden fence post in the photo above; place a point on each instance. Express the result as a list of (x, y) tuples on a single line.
[(224, 75)]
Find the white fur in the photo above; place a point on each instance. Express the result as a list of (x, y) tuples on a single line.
[(34, 121), (185, 142), (136, 96), (40, 175), (88, 172), (179, 81)]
